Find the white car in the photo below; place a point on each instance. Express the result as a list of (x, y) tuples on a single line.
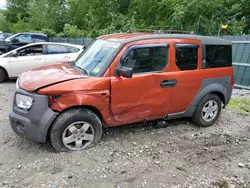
[(34, 55)]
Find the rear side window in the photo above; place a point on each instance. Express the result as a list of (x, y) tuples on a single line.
[(218, 56), (39, 38), (57, 49), (187, 56)]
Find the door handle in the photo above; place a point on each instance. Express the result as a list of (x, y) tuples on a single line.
[(67, 57), (38, 58), (168, 83)]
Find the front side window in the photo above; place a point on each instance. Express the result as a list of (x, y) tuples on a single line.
[(187, 57), (148, 59), (31, 51), (218, 56), (96, 57), (56, 49), (24, 38)]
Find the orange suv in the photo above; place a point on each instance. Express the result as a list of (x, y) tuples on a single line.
[(123, 79)]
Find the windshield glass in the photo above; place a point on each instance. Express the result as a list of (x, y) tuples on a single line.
[(9, 38), (95, 57), (2, 36)]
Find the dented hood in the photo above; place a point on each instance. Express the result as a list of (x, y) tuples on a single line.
[(48, 75)]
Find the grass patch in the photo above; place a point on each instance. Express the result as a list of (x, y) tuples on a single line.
[(240, 104)]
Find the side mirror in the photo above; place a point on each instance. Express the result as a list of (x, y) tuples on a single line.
[(124, 71), (14, 53), (15, 41)]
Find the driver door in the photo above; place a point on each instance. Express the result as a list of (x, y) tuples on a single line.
[(26, 59), (146, 95)]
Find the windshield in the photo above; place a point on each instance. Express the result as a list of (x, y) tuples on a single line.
[(2, 36), (11, 37), (95, 57)]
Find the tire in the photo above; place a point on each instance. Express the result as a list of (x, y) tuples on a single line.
[(2, 75), (204, 108), (69, 130)]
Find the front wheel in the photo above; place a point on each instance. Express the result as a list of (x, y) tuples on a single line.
[(75, 130), (208, 110)]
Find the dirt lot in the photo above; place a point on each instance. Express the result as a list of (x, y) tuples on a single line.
[(180, 155)]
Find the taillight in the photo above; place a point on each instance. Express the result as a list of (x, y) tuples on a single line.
[(232, 81)]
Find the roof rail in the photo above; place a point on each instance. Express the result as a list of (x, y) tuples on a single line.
[(163, 31)]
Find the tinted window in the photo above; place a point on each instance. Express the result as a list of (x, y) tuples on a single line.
[(24, 38), (39, 38), (31, 51), (72, 49), (187, 58), (218, 56), (147, 59), (57, 49)]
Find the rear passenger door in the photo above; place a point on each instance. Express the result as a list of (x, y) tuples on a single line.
[(57, 53), (188, 57)]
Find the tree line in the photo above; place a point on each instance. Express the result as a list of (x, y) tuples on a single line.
[(91, 18)]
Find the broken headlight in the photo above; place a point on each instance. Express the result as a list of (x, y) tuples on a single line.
[(23, 101)]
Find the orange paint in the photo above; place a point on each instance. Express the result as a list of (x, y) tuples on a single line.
[(123, 100)]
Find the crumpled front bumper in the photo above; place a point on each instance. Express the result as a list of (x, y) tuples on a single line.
[(33, 124)]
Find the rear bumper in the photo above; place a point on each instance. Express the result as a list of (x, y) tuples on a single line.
[(33, 124)]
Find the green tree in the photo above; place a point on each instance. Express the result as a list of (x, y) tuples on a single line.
[(15, 8), (49, 14)]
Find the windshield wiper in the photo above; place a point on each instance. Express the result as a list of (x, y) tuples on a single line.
[(81, 69)]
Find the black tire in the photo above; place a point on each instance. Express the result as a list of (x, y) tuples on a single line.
[(2, 75), (69, 117), (198, 115)]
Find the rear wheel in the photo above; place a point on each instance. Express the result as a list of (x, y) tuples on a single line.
[(2, 74), (207, 111), (76, 129)]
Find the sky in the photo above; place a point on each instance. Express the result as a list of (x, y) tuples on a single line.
[(2, 4)]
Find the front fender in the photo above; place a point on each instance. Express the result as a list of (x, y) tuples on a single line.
[(98, 99)]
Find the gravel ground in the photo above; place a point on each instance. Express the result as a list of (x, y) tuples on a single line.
[(238, 93), (180, 155)]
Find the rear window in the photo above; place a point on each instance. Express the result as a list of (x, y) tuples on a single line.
[(218, 56)]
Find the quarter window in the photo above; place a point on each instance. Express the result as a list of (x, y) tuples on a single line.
[(57, 49), (73, 49), (149, 59), (218, 56), (187, 57)]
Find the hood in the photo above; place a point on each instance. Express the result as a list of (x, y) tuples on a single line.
[(48, 75)]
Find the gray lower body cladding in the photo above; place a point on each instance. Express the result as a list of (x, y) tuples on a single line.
[(210, 85), (33, 124)]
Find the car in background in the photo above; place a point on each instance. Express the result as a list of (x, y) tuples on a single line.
[(3, 36), (25, 58), (21, 39)]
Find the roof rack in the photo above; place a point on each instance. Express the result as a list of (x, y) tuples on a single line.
[(163, 31)]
